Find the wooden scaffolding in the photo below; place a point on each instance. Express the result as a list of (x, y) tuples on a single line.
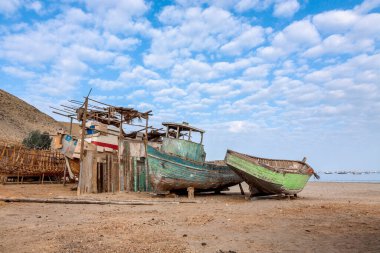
[(18, 162)]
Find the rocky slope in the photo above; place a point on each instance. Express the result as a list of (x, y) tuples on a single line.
[(18, 119)]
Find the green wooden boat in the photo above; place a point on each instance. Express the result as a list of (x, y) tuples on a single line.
[(270, 176), (180, 163)]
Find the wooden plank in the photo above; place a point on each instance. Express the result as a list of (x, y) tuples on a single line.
[(88, 201), (93, 174)]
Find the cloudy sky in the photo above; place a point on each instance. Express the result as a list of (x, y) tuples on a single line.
[(272, 78)]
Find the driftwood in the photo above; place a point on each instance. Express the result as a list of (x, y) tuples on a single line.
[(89, 201)]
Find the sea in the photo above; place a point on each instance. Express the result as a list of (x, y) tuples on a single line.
[(364, 177)]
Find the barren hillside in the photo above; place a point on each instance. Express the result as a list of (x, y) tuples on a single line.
[(18, 118)]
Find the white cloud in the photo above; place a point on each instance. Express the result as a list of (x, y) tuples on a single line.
[(361, 68), (106, 84), (129, 7), (240, 126), (121, 62), (336, 21), (91, 54), (77, 16), (217, 90), (139, 72), (171, 15), (35, 6), (299, 33), (70, 65), (9, 7), (338, 44), (334, 110), (31, 47), (257, 72), (285, 8), (271, 53), (56, 84), (365, 27), (318, 76), (228, 67), (156, 83), (295, 37), (193, 70), (196, 30), (137, 94), (142, 76), (160, 60), (18, 72), (367, 5), (170, 92), (120, 15), (246, 5), (249, 39), (115, 43)]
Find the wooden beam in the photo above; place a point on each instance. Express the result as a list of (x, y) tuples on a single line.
[(90, 201)]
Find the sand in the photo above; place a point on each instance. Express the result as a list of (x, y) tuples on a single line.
[(327, 217)]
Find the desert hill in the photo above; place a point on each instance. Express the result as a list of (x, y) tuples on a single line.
[(18, 119)]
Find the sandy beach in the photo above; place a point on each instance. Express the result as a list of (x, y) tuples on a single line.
[(327, 217)]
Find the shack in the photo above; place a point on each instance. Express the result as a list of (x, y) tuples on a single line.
[(105, 158)]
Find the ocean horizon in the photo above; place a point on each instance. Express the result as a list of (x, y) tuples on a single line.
[(349, 177)]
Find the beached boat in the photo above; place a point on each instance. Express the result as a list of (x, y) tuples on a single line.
[(103, 138), (270, 176), (180, 163)]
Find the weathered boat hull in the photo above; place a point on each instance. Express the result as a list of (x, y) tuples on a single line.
[(74, 166), (265, 181), (173, 173)]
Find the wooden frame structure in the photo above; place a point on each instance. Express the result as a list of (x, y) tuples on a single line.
[(17, 161)]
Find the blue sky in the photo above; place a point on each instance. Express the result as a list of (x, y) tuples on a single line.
[(280, 79)]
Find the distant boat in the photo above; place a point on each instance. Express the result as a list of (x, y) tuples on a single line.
[(180, 163), (269, 176), (328, 172), (341, 172)]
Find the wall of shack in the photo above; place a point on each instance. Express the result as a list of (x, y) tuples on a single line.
[(124, 170)]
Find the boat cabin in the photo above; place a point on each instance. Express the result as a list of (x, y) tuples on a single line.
[(180, 140), (182, 131)]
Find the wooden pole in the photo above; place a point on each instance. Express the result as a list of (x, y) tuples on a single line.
[(84, 119), (190, 192), (71, 125), (146, 155), (64, 176), (120, 149), (241, 189)]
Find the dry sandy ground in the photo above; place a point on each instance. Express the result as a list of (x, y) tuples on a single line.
[(327, 217)]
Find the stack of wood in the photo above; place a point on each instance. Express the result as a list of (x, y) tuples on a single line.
[(17, 160)]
